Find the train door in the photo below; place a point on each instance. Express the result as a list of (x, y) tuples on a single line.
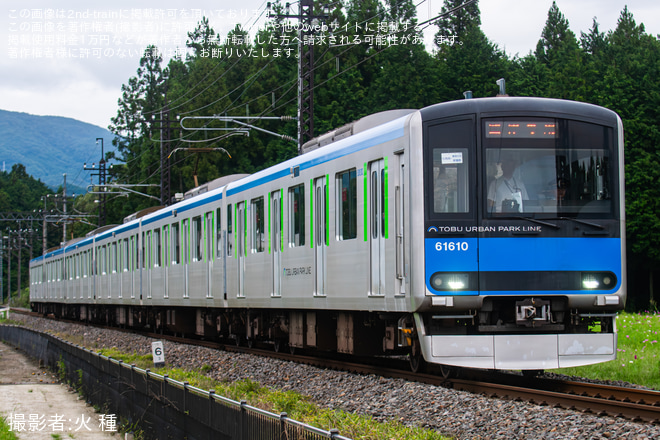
[(134, 265), (276, 241), (320, 233), (142, 261), (208, 240), (377, 227), (102, 272), (241, 238), (218, 273), (230, 248), (400, 209), (185, 254), (166, 260), (148, 263)]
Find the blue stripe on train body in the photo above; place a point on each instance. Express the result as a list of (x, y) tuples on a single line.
[(523, 254)]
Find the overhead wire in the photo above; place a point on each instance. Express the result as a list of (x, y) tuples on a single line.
[(380, 13), (319, 66), (426, 24), (217, 66), (271, 109), (178, 105)]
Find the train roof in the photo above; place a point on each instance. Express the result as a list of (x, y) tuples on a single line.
[(231, 185), (517, 105)]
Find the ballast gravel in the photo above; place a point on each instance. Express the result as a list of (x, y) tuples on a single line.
[(457, 414)]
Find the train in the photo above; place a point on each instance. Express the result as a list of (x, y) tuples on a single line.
[(484, 233)]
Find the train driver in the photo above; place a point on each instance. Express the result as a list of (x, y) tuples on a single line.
[(507, 192)]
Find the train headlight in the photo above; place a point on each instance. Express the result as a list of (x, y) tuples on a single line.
[(598, 280), (456, 284), (590, 282), (445, 281)]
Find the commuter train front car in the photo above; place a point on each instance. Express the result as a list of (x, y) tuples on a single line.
[(482, 233), (523, 235)]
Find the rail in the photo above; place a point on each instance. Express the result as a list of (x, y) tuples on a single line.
[(638, 405)]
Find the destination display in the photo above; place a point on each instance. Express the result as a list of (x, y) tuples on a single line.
[(521, 129)]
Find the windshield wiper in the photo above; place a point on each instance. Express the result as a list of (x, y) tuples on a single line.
[(582, 222), (540, 222), (530, 219)]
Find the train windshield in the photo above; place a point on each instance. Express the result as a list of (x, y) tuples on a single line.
[(548, 166)]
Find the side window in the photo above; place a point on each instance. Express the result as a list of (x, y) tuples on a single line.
[(113, 257), (448, 177), (297, 216), (321, 210), (104, 261), (230, 231), (198, 239), (208, 235), (218, 232), (166, 245), (185, 240), (257, 217), (142, 250), (157, 249), (450, 180), (119, 256), (126, 255), (347, 201), (148, 250), (176, 244), (136, 252)]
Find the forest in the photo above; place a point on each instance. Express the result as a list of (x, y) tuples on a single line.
[(230, 75)]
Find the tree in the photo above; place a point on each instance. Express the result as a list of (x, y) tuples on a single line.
[(456, 20), (594, 42), (628, 85), (140, 104), (467, 59), (202, 40), (559, 53), (394, 86), (20, 192)]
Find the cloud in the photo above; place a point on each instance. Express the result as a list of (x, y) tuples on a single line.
[(46, 87)]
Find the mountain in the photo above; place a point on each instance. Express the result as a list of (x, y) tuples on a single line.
[(50, 146)]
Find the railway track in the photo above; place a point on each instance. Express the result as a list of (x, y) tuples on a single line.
[(602, 400), (638, 405)]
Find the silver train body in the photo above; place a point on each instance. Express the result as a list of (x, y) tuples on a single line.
[(351, 247)]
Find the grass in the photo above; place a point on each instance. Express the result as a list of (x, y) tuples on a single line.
[(143, 361), (638, 353), (296, 406), (5, 433)]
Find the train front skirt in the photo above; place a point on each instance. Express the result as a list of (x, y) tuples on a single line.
[(519, 352)]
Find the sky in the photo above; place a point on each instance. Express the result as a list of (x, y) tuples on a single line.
[(70, 57)]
